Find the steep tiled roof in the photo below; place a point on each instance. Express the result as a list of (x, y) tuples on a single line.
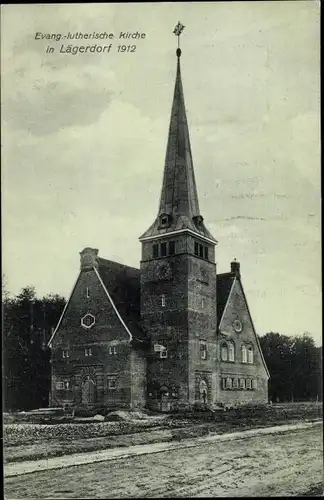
[(179, 198), (224, 284), (123, 285)]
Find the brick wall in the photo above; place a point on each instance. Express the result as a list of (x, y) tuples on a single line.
[(167, 325), (237, 309), (202, 325), (106, 333), (138, 379), (189, 315)]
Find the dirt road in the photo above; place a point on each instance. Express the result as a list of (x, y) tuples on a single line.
[(289, 464)]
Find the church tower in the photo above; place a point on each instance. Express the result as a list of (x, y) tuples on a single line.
[(178, 279)]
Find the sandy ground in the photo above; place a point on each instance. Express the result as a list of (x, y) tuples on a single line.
[(287, 464)]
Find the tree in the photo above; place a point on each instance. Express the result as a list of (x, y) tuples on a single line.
[(293, 366), (28, 324)]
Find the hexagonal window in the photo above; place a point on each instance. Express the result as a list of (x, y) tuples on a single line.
[(88, 320)]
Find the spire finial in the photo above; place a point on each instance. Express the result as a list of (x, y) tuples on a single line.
[(177, 31)]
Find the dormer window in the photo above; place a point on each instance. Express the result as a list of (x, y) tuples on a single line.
[(198, 220), (165, 220)]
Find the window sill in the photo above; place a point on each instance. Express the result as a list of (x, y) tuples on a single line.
[(237, 389)]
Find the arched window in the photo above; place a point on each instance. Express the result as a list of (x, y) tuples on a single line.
[(231, 351), (224, 352), (242, 383), (250, 355), (244, 354), (229, 383)]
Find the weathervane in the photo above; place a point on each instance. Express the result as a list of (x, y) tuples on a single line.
[(177, 31)]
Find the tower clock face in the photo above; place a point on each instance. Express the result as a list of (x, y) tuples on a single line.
[(237, 325), (163, 271)]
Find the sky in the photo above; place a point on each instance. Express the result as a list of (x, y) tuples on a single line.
[(84, 139)]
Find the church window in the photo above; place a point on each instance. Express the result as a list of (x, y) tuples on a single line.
[(155, 250), (229, 383), (223, 383), (171, 248), (112, 382), (88, 351), (254, 384), (206, 253), (163, 300), (203, 350), (196, 248), (250, 355), (244, 354), (88, 292), (88, 320), (163, 249), (65, 354), (231, 351), (201, 251), (235, 383), (63, 385), (164, 353), (113, 349), (242, 383), (224, 352), (248, 383)]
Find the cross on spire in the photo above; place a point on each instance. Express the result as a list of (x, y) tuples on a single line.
[(177, 31)]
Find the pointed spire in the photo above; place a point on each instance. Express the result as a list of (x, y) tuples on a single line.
[(179, 192), (179, 206)]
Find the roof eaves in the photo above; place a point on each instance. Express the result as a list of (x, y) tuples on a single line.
[(247, 305), (63, 312)]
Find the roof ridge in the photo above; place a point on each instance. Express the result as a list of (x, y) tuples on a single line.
[(107, 262)]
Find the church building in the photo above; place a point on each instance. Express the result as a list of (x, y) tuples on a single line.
[(171, 332)]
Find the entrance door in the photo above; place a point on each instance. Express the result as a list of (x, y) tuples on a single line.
[(88, 391), (203, 391), (165, 401)]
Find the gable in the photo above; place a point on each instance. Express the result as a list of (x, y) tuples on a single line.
[(236, 308), (113, 302)]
